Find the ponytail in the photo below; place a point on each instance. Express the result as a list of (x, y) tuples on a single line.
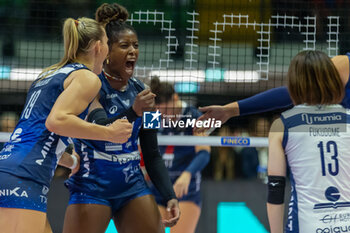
[(78, 35), (164, 91)]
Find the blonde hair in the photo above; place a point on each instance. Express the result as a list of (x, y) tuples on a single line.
[(313, 79), (78, 35)]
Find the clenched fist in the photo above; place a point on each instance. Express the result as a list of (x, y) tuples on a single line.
[(120, 131), (144, 101)]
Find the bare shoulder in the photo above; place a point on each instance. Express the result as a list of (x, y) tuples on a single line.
[(277, 128), (84, 78), (86, 75), (341, 62)]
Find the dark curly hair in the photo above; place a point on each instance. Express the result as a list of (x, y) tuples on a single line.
[(113, 16)]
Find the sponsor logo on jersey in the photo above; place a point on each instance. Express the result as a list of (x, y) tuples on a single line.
[(125, 158), (111, 96), (13, 192), (333, 229), (45, 190), (113, 109), (319, 118), (3, 157), (46, 148), (43, 197), (15, 135), (335, 218), (129, 171), (43, 82), (126, 102), (8, 148), (113, 147), (128, 144), (290, 219), (77, 65), (332, 194)]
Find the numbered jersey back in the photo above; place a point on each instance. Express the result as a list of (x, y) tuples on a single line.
[(33, 150), (316, 142)]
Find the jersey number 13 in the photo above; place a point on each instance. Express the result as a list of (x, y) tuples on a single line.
[(331, 149)]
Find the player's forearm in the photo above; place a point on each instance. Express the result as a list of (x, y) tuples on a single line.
[(275, 98), (275, 214), (160, 178), (99, 116), (155, 165), (199, 162), (232, 109), (72, 126)]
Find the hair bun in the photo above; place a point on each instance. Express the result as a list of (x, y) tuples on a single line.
[(107, 13)]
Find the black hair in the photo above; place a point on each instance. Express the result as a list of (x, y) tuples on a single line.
[(163, 90)]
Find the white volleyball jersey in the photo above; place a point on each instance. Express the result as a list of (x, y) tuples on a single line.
[(317, 147)]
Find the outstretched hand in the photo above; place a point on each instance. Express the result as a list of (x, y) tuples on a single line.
[(172, 213), (217, 112)]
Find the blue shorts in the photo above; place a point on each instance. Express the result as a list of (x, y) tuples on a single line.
[(115, 203), (21, 193)]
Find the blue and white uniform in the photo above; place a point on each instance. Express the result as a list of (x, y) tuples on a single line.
[(110, 173), (29, 159), (316, 143), (178, 158)]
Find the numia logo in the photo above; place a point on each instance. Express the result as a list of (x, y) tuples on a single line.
[(317, 118)]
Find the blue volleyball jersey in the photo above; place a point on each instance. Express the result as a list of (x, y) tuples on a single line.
[(33, 151), (178, 158), (110, 170)]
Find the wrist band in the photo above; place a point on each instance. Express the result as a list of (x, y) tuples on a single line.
[(75, 162)]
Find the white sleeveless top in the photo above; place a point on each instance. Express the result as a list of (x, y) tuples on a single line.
[(317, 147)]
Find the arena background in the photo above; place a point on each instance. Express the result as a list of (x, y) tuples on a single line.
[(215, 52)]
